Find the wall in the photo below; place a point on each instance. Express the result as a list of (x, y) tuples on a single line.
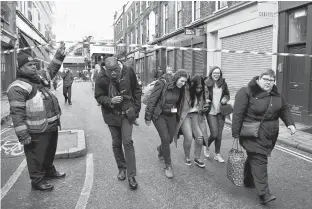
[(243, 20)]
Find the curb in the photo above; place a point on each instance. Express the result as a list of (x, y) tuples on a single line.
[(294, 144), (75, 152)]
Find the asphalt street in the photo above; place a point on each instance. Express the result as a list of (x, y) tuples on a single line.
[(91, 180)]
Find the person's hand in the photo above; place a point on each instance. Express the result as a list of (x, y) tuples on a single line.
[(62, 49), (148, 122), (117, 99), (223, 101), (136, 122), (292, 129), (26, 141)]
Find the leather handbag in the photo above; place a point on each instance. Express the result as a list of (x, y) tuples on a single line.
[(251, 129), (226, 109)]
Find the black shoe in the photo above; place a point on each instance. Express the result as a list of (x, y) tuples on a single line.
[(264, 199), (65, 100), (199, 163), (132, 183), (42, 186), (121, 175), (69, 103), (56, 175)]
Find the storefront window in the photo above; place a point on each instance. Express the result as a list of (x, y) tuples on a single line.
[(297, 26)]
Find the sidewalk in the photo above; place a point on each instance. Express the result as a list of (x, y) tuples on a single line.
[(5, 106), (300, 140)]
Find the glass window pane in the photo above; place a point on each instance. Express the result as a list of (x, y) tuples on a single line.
[(297, 26)]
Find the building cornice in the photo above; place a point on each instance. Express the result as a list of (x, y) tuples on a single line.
[(18, 13)]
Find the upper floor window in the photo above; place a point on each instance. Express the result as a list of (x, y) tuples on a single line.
[(196, 10), (166, 19), (221, 5), (29, 11), (148, 3), (156, 19), (179, 14), (137, 9), (39, 25), (121, 24), (297, 26), (147, 29)]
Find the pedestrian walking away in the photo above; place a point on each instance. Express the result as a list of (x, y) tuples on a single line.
[(35, 113), (68, 79), (162, 109), (119, 94), (218, 95), (260, 105), (95, 72), (192, 120)]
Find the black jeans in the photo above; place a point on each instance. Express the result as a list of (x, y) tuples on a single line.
[(256, 172), (67, 93), (123, 136), (165, 126), (216, 125), (40, 155)]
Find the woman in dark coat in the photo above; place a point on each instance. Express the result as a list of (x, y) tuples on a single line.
[(162, 109), (260, 101)]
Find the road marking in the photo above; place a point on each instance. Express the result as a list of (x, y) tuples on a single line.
[(288, 151), (5, 130), (13, 178), (86, 190), (296, 154)]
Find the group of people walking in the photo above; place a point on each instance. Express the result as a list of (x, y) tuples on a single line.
[(178, 105)]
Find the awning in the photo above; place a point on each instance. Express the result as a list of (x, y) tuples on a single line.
[(31, 43), (45, 54)]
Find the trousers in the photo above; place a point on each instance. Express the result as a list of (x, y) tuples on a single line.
[(67, 93), (40, 155)]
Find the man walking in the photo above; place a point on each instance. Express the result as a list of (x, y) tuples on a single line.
[(118, 92), (68, 79), (35, 113)]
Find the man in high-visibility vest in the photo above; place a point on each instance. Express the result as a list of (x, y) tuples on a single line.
[(35, 113)]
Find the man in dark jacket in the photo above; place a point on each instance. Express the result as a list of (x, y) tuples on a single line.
[(35, 113), (118, 92), (68, 79)]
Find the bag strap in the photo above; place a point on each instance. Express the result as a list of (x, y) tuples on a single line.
[(266, 110)]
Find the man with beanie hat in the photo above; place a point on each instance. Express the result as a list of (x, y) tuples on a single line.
[(118, 92), (35, 113), (68, 79)]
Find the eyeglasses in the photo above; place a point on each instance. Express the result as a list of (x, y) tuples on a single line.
[(268, 80)]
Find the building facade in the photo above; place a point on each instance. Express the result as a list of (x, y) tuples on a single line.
[(34, 20), (294, 76), (8, 42)]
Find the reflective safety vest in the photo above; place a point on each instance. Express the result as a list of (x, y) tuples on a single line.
[(38, 117)]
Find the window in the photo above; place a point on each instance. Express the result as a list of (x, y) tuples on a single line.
[(131, 16), (196, 10), (29, 11), (142, 6), (221, 5), (179, 14), (297, 26), (141, 30), (147, 30), (3, 68), (121, 25), (137, 36), (156, 19), (166, 21), (137, 9), (129, 19), (148, 3)]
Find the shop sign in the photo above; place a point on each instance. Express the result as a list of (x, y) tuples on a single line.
[(267, 10)]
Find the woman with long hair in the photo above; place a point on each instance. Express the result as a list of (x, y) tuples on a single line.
[(194, 105), (218, 95), (162, 109)]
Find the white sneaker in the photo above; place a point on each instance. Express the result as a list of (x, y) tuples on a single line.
[(206, 152), (218, 158)]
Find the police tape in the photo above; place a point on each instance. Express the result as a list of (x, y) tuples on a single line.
[(138, 46)]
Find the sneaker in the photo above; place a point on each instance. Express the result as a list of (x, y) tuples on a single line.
[(206, 152), (199, 163), (188, 161), (218, 158), (168, 171)]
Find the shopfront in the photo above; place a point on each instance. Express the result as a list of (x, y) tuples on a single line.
[(294, 76)]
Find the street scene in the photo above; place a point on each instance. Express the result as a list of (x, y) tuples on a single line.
[(159, 104)]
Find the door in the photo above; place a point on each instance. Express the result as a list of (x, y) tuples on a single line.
[(295, 79), (199, 59)]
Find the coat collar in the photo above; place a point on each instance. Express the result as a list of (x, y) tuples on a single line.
[(256, 90)]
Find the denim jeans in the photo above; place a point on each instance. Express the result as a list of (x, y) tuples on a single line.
[(123, 136), (191, 127), (165, 126), (216, 125)]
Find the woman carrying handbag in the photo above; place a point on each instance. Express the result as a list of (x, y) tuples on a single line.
[(257, 110)]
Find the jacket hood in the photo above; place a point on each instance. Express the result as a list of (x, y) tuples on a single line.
[(256, 89)]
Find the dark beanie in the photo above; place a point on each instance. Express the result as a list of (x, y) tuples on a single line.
[(24, 58)]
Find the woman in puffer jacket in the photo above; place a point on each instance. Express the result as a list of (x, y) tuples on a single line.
[(194, 105), (162, 109)]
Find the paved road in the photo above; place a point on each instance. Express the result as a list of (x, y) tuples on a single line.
[(192, 187)]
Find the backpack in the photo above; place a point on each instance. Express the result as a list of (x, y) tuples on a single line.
[(148, 91)]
